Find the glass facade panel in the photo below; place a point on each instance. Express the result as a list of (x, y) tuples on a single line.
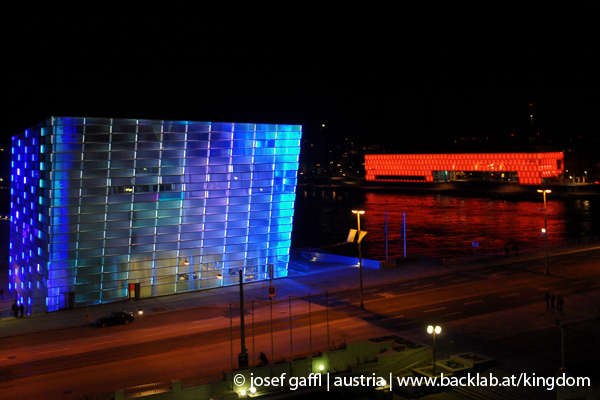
[(100, 204)]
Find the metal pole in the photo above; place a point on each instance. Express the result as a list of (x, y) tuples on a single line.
[(242, 324), (434, 352), (243, 356), (386, 238), (253, 350), (362, 304), (231, 340), (404, 229), (327, 314), (291, 339), (546, 234), (272, 351), (310, 334)]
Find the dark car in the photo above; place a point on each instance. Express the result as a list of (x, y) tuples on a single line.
[(115, 318)]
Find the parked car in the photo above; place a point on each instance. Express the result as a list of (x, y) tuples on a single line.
[(115, 318)]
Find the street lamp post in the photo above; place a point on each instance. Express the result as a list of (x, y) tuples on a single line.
[(243, 355), (434, 331), (358, 213), (545, 227)]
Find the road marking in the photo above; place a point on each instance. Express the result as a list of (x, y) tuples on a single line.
[(372, 290), (448, 277), (52, 351), (598, 284), (408, 284), (387, 295), (421, 287), (153, 329), (99, 337), (350, 326), (472, 302), (463, 279), (409, 322), (435, 309), (399, 316), (454, 313), (44, 347), (197, 322), (108, 341), (199, 326), (157, 333), (510, 295), (575, 283)]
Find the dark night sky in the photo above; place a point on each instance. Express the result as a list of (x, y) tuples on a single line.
[(386, 74)]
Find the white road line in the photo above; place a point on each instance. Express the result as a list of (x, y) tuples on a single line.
[(421, 287), (99, 337), (408, 284), (511, 295), (472, 302), (153, 329), (157, 333), (350, 326), (463, 279), (372, 290), (575, 283), (399, 316), (409, 322), (454, 313), (199, 326), (108, 341), (52, 351), (44, 347), (435, 309)]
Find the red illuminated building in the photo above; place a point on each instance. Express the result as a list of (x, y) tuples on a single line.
[(524, 168)]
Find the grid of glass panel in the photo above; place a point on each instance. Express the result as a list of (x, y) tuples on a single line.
[(99, 204)]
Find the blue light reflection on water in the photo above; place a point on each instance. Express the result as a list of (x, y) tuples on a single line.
[(439, 226)]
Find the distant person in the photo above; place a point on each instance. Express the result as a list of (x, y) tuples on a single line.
[(547, 297), (263, 359), (1, 293), (560, 302), (22, 309), (15, 309)]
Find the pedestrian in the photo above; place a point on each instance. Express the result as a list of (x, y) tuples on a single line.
[(552, 298), (22, 309), (15, 309), (263, 359), (1, 293), (547, 297)]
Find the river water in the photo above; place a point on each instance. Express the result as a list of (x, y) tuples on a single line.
[(437, 225)]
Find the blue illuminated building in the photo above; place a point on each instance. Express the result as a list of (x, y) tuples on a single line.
[(100, 205)]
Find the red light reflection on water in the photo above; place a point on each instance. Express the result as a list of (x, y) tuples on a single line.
[(443, 227)]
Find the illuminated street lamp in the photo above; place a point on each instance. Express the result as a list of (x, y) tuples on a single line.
[(434, 331), (358, 213), (545, 230)]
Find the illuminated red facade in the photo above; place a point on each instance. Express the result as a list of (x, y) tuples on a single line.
[(529, 168)]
